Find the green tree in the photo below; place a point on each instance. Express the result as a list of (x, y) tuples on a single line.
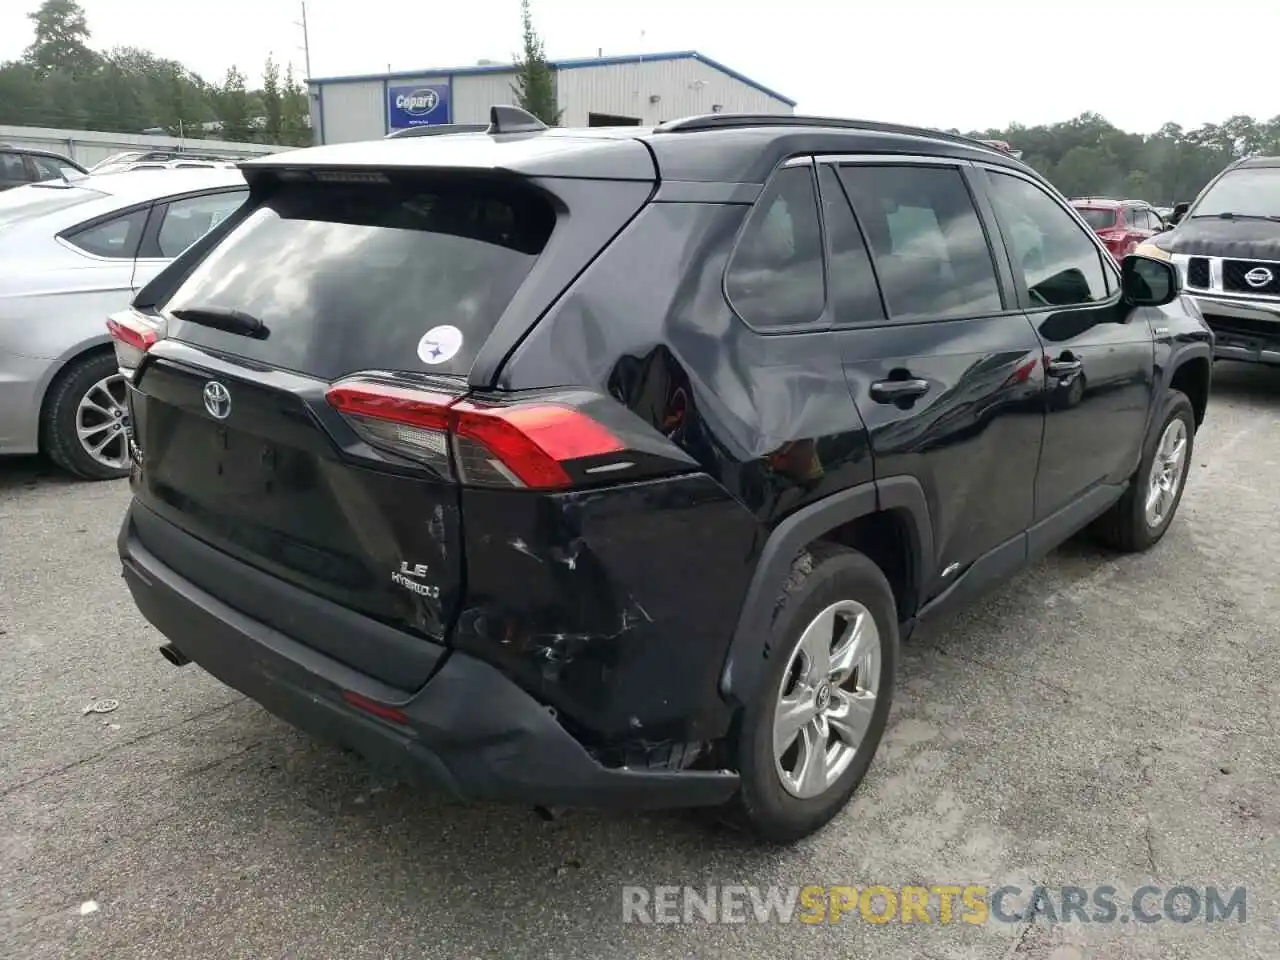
[(231, 104), (535, 86), (61, 40), (1089, 156), (63, 104), (22, 101), (272, 103), (118, 101), (295, 113)]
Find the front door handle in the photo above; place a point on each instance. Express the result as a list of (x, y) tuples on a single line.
[(896, 391), (1065, 367)]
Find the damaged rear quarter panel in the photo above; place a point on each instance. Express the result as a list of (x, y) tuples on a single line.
[(614, 606)]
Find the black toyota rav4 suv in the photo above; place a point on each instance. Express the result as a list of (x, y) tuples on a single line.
[(611, 467)]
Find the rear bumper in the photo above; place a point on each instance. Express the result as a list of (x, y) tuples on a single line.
[(469, 731), (1243, 329)]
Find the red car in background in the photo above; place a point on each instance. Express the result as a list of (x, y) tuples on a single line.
[(1120, 224)]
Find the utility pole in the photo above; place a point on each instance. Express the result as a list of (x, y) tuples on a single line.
[(306, 42)]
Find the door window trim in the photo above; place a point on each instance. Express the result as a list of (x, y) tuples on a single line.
[(67, 236), (1009, 297), (1110, 269)]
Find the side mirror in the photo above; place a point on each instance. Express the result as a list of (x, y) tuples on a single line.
[(1179, 211), (1147, 282)]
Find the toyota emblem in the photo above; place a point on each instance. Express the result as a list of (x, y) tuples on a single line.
[(217, 400), (1259, 277)]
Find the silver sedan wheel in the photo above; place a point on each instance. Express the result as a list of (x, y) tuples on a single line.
[(102, 422), (1167, 468), (826, 698)]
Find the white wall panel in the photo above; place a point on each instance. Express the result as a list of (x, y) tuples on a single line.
[(474, 94), (353, 111), (682, 88)]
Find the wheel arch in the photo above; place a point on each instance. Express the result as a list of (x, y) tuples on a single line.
[(60, 368), (1191, 371), (898, 500)]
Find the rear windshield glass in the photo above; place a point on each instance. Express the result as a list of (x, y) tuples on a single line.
[(1098, 217), (34, 200), (366, 277)]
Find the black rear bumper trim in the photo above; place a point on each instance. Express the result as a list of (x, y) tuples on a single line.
[(471, 732)]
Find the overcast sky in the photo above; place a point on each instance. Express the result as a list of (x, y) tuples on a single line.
[(970, 64)]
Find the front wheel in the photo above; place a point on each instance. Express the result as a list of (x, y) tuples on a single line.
[(85, 426), (806, 740), (1141, 517)]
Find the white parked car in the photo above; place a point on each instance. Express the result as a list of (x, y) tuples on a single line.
[(71, 253)]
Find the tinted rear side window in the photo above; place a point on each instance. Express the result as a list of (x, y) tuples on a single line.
[(364, 277), (775, 277)]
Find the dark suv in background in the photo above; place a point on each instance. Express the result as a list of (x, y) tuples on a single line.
[(612, 466), (22, 165), (1226, 245)]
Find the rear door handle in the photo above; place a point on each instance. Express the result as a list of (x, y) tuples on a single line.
[(1065, 368), (893, 391)]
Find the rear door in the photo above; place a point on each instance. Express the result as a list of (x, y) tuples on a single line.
[(946, 371)]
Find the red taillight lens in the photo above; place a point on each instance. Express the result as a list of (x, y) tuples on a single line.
[(409, 423), (520, 445), (381, 710), (132, 335)]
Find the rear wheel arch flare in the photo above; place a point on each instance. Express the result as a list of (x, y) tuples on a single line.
[(903, 496)]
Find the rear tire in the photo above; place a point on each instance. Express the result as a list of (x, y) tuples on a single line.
[(1140, 518), (837, 604), (85, 409)]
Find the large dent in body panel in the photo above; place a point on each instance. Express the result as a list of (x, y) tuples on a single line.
[(602, 605), (769, 416)]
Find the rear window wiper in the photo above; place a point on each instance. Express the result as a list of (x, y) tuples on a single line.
[(224, 318)]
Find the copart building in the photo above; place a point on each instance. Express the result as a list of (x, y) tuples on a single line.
[(639, 90)]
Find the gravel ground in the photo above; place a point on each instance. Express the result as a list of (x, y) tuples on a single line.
[(1098, 721)]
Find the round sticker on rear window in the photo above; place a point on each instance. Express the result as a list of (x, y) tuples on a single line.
[(439, 344)]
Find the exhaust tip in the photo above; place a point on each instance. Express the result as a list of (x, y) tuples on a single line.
[(174, 655)]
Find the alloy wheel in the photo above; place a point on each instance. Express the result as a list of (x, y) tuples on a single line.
[(102, 422), (1167, 468), (826, 698)]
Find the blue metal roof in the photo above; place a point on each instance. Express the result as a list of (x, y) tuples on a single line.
[(572, 64)]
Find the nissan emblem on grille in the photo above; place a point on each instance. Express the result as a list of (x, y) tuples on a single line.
[(1258, 277), (217, 400)]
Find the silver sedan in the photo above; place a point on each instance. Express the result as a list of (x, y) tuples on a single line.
[(72, 252)]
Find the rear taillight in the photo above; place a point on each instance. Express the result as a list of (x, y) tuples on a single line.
[(523, 444), (133, 335)]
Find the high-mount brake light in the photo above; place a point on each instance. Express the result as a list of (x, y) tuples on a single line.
[(518, 445), (132, 335)]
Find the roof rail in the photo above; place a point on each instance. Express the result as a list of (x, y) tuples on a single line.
[(729, 121), (438, 130)]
